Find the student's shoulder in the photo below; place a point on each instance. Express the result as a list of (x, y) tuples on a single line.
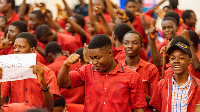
[(147, 64), (128, 71)]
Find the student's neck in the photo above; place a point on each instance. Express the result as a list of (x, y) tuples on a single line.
[(54, 37), (181, 79), (132, 62), (189, 26), (82, 4), (118, 44), (57, 55), (112, 67), (8, 13)]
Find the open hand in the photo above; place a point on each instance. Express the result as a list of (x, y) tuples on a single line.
[(42, 7)]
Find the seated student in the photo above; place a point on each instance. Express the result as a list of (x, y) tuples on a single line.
[(7, 9), (189, 19), (3, 24), (55, 56), (59, 105), (132, 44), (28, 90), (193, 68), (14, 29), (179, 91), (124, 92), (44, 35)]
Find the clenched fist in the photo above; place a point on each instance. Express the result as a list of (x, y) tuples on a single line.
[(73, 58)]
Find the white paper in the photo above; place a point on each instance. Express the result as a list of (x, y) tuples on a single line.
[(16, 66)]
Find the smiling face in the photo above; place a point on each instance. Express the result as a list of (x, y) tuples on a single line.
[(21, 46), (179, 62), (101, 58), (132, 44), (169, 29)]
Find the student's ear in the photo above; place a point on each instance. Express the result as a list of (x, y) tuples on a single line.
[(33, 49), (49, 55), (110, 52)]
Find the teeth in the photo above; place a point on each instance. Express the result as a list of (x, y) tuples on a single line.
[(177, 66)]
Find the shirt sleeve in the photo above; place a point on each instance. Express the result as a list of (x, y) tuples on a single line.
[(137, 96), (154, 80), (78, 77), (156, 100), (5, 86)]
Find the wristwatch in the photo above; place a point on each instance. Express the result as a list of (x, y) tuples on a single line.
[(45, 90)]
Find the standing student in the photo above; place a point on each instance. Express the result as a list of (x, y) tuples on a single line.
[(132, 44), (109, 86), (179, 91), (38, 92)]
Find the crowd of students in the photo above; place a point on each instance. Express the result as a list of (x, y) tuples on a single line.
[(100, 58)]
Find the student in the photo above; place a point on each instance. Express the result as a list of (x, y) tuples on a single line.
[(193, 68), (189, 19), (174, 4), (36, 18), (108, 85), (82, 8), (28, 90), (56, 58), (179, 91), (167, 8), (132, 44), (133, 6), (45, 35), (7, 9)]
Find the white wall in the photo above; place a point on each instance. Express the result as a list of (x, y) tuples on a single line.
[(183, 4)]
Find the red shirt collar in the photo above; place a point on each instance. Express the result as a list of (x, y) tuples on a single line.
[(140, 64), (187, 28)]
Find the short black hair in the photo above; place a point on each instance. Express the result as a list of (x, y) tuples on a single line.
[(173, 15), (100, 41), (21, 25), (80, 52), (38, 14), (53, 47), (135, 32), (173, 3), (32, 41), (120, 30), (130, 15), (60, 102), (172, 19), (5, 32), (4, 17), (130, 1), (79, 20), (186, 15), (194, 38), (36, 110), (42, 30), (12, 2), (167, 6)]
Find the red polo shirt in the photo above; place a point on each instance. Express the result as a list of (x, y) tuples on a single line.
[(10, 50), (16, 107), (150, 78), (161, 99), (28, 90), (1, 34), (62, 23), (180, 12), (119, 90), (75, 95), (182, 27)]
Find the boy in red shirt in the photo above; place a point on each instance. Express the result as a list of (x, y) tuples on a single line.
[(7, 9), (55, 56), (36, 92), (109, 86), (133, 44), (179, 91)]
